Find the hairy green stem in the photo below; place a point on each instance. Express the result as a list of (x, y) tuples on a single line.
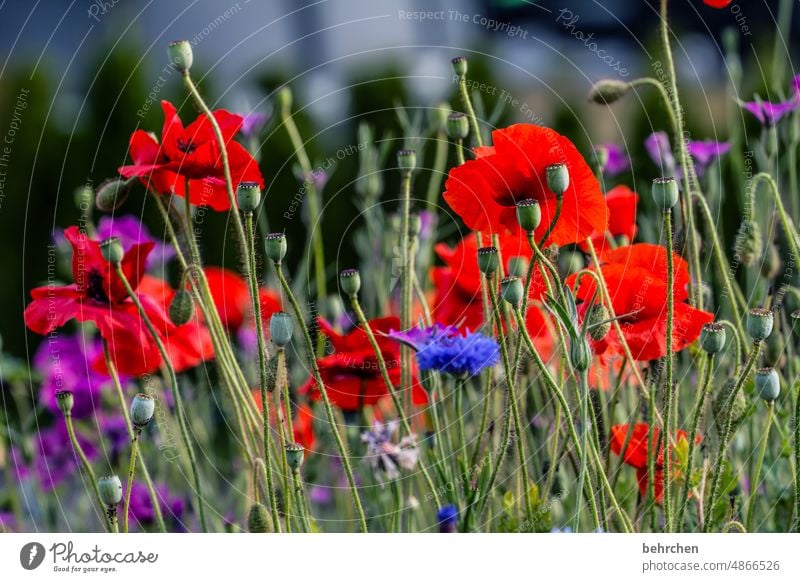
[(751, 502)]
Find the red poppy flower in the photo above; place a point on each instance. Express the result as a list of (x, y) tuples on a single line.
[(231, 296), (635, 453), (98, 295), (717, 3), (636, 277), (191, 154), (484, 191), (622, 203), (458, 283), (351, 374)]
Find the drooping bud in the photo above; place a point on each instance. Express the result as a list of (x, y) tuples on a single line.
[(771, 263), (283, 100), (512, 290), (259, 520), (517, 267), (457, 126), (112, 250), (749, 245), (110, 490), (275, 246), (111, 195), (459, 66), (759, 323), (294, 455), (598, 322), (180, 55), (350, 281), (248, 195), (488, 260), (665, 192), (281, 327), (570, 262), (181, 308), (607, 91), (407, 160), (142, 409), (580, 354), (712, 338), (768, 384), (557, 176), (529, 214), (65, 400)]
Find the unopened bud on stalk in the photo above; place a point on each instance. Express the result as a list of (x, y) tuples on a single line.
[(142, 409), (283, 100), (529, 214), (768, 384), (112, 250), (259, 520), (437, 116), (598, 322), (275, 246), (665, 192), (459, 66), (517, 267), (749, 245), (457, 126), (248, 195), (110, 490), (599, 158), (180, 55), (771, 263), (759, 323), (111, 195), (281, 327), (65, 401), (350, 281), (488, 260), (571, 262), (512, 290), (557, 176), (181, 308), (712, 338), (294, 455), (580, 354), (407, 160), (607, 91)]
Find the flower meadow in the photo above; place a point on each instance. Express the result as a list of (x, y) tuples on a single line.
[(583, 353)]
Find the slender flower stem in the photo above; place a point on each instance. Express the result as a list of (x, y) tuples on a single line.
[(407, 280), (751, 502), (583, 397), (669, 388), (473, 119), (796, 393), (552, 225), (86, 467), (111, 516), (462, 439), (312, 361), (438, 171), (131, 470), (175, 394)]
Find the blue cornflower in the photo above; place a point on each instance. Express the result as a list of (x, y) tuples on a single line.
[(444, 349), (447, 517)]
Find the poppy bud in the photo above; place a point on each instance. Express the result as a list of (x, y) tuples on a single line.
[(580, 355), (712, 338), (259, 520), (180, 55), (437, 116), (111, 195), (488, 260), (248, 195), (65, 401), (517, 266), (557, 178), (749, 245), (457, 126), (570, 262), (281, 327), (112, 250), (459, 66), (598, 322), (350, 281), (512, 290), (768, 384), (294, 455), (759, 323), (142, 409), (529, 214), (791, 300), (283, 100), (276, 246), (607, 91), (110, 490), (181, 308), (665, 192), (771, 263), (407, 160)]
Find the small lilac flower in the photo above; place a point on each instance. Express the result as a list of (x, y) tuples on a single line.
[(447, 518), (617, 161), (706, 152), (253, 123), (771, 113), (8, 522), (660, 151), (442, 348), (115, 436), (130, 231), (172, 507), (385, 457), (320, 495)]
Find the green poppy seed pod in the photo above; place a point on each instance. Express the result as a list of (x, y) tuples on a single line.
[(712, 338), (437, 116), (512, 290), (570, 262), (529, 214), (142, 409), (350, 282), (281, 327), (607, 91), (665, 192), (180, 55), (407, 160), (457, 126), (517, 267), (759, 323), (65, 400), (557, 176), (112, 250), (749, 244), (488, 260), (283, 100), (248, 195), (771, 263), (414, 224), (181, 308), (768, 384), (275, 246), (580, 354), (459, 66), (111, 195), (294, 455), (110, 490), (259, 520), (598, 323)]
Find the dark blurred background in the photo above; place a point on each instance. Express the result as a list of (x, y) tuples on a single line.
[(91, 72)]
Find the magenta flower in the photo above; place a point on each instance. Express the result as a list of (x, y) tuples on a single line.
[(253, 123), (617, 161), (660, 151), (130, 231), (706, 153), (172, 506), (771, 113)]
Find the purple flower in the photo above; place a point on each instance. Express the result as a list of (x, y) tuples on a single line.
[(385, 457), (115, 436), (617, 161), (660, 151), (320, 495), (55, 458), (8, 522), (172, 507), (442, 348), (446, 518), (706, 153), (253, 123), (130, 231), (771, 113)]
